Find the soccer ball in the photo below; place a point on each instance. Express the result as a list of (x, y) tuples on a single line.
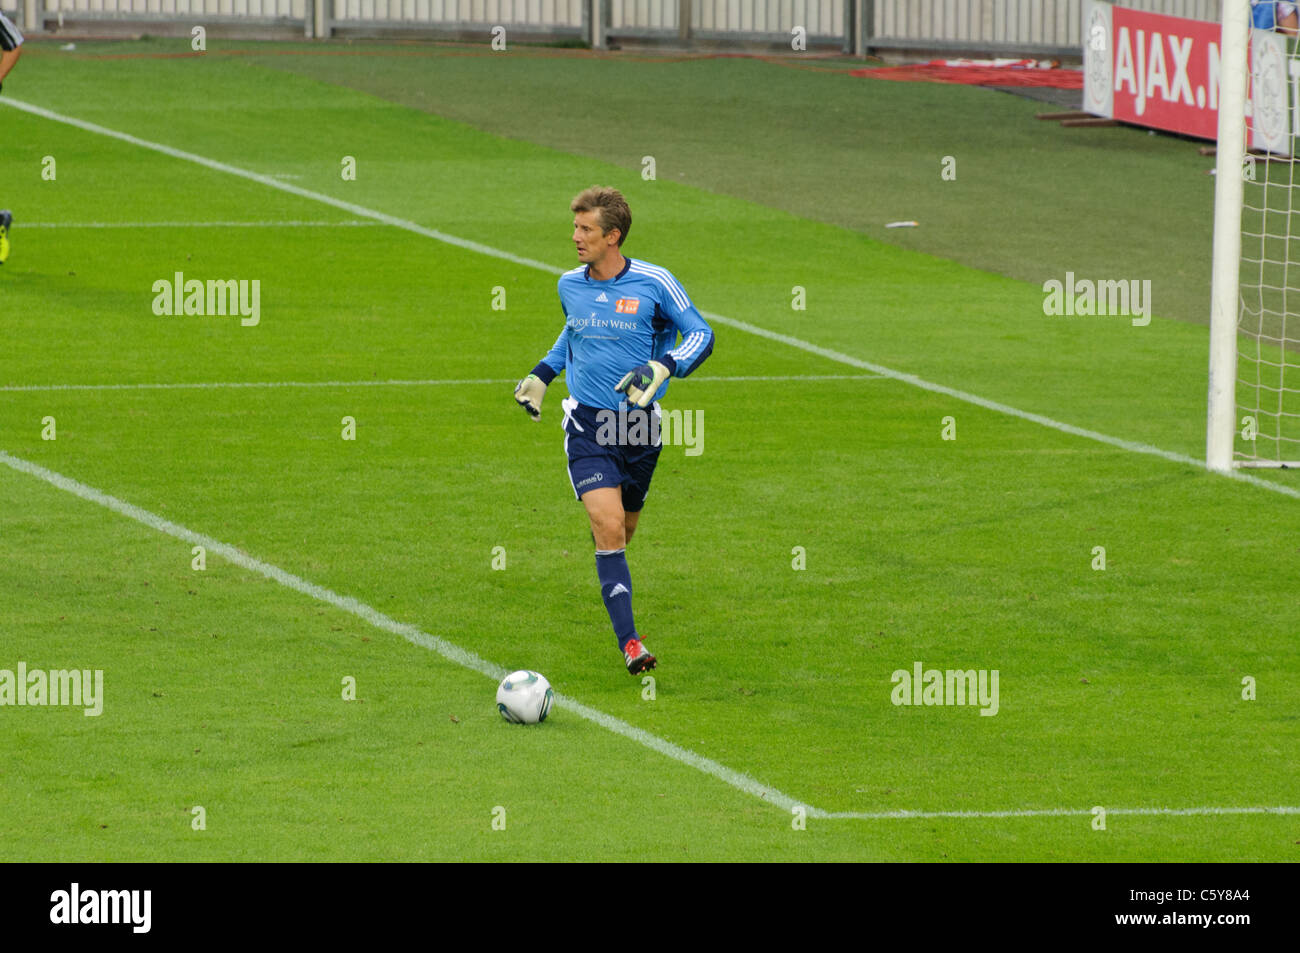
[(524, 698)]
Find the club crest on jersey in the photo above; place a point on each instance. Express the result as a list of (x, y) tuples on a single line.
[(627, 305)]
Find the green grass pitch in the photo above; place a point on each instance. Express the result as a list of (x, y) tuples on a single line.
[(827, 536)]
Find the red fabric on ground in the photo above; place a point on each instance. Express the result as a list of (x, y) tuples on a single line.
[(978, 75)]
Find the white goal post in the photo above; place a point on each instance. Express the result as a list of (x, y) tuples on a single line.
[(1253, 416)]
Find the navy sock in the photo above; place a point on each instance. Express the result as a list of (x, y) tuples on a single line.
[(616, 590)]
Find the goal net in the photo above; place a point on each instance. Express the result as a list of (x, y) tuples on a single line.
[(1254, 394)]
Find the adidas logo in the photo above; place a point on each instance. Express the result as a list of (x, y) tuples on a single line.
[(603, 298), (619, 589)]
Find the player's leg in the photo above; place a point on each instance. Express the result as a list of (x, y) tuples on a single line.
[(597, 474), (8, 56), (639, 463), (11, 46), (6, 219), (605, 511), (629, 527), (600, 478)]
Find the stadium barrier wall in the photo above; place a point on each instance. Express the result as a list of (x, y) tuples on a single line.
[(1050, 27), (1045, 27)]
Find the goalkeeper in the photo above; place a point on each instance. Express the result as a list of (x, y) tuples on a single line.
[(622, 317)]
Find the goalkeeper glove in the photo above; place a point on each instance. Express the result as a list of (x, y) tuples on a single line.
[(528, 395), (642, 383)]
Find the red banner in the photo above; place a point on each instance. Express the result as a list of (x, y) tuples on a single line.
[(1165, 72)]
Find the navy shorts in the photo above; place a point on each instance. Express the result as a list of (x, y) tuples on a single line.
[(612, 448)]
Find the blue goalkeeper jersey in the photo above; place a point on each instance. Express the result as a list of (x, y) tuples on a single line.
[(614, 326)]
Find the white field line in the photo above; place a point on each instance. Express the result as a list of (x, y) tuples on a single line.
[(720, 319), (447, 650), (221, 385), (800, 344), (216, 385), (273, 183), (1057, 812), (794, 342), (454, 653), (1130, 445), (290, 224)]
